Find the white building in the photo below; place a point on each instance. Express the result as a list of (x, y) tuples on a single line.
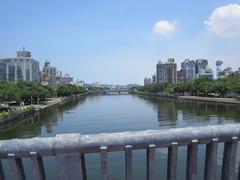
[(22, 67)]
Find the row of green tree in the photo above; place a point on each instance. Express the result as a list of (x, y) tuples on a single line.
[(223, 87), (29, 92)]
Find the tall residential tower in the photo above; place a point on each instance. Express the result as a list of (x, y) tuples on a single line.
[(167, 72), (189, 66)]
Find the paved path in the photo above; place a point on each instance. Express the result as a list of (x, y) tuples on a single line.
[(209, 99), (49, 103)]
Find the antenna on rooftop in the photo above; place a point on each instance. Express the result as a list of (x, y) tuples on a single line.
[(23, 48)]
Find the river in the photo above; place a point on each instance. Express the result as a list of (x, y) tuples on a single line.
[(114, 113)]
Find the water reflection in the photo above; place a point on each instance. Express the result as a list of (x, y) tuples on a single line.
[(181, 113), (40, 121)]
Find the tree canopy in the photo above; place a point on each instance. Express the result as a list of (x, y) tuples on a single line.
[(200, 87), (30, 92)]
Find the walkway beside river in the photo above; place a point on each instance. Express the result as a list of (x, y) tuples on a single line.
[(211, 99), (195, 98), (50, 103)]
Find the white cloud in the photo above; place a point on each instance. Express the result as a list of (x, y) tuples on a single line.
[(225, 21), (164, 27)]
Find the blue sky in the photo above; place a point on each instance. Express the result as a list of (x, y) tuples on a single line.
[(111, 41)]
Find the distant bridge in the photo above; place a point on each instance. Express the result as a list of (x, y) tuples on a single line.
[(115, 91)]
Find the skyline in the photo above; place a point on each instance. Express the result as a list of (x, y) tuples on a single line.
[(98, 42)]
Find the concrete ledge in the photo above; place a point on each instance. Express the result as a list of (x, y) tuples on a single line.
[(209, 99)]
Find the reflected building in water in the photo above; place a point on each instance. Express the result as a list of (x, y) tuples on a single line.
[(167, 112), (166, 109), (192, 113)]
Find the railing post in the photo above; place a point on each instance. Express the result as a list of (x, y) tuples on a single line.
[(16, 168), (37, 166), (84, 169), (211, 160), (192, 157), (68, 160), (2, 175), (239, 172), (151, 164), (104, 163), (172, 161), (229, 159), (128, 163)]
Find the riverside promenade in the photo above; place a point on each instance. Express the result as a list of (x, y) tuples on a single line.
[(210, 99), (195, 98), (50, 103), (26, 111), (23, 112)]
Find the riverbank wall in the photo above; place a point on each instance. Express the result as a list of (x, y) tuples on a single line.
[(210, 99), (24, 112), (155, 95), (16, 115), (194, 98)]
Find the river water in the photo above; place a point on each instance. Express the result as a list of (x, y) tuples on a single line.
[(114, 113)]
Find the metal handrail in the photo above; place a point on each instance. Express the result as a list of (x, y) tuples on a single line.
[(70, 149)]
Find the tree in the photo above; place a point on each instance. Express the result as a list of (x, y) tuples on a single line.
[(219, 88), (69, 89), (8, 92), (33, 93), (179, 88)]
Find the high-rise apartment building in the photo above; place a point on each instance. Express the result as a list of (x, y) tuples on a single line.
[(154, 78), (195, 69), (201, 64), (167, 72), (203, 69), (147, 81), (48, 74), (190, 68), (22, 67)]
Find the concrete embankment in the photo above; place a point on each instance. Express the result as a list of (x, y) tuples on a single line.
[(17, 114), (195, 98), (24, 112), (155, 95), (58, 101), (48, 104), (210, 99)]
